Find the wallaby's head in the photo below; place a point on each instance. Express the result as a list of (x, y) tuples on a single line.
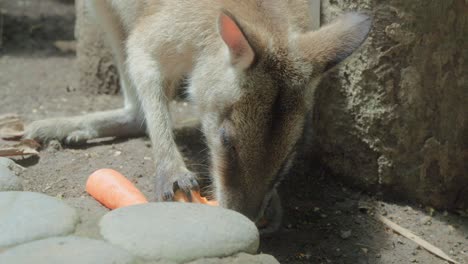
[(257, 97)]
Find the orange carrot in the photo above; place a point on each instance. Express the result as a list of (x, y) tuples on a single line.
[(113, 190), (180, 196)]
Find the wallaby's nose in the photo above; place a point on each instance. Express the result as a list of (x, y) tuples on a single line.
[(244, 204)]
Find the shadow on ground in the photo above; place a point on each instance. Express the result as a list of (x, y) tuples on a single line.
[(25, 36)]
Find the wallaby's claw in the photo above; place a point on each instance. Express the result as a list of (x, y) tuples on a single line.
[(167, 186)]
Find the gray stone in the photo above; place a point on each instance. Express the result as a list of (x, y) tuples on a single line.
[(179, 232), (5, 162), (9, 181), (239, 259), (10, 164), (27, 216), (394, 117), (70, 250), (90, 213)]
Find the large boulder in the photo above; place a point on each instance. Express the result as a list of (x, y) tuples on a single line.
[(393, 118)]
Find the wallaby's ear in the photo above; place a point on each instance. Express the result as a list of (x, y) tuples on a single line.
[(241, 52), (333, 43)]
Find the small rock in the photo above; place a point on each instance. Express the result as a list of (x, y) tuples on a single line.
[(346, 234), (55, 145), (179, 232), (427, 220), (9, 181), (27, 216), (70, 250), (10, 164), (5, 162)]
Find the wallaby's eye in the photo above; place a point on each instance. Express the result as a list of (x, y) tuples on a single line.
[(224, 137), (227, 137)]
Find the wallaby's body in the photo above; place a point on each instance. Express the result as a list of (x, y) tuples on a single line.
[(252, 67)]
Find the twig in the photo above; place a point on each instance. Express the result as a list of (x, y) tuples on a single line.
[(52, 184), (421, 242), (366, 246)]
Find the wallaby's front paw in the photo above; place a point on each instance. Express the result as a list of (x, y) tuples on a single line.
[(168, 184), (42, 131), (61, 129)]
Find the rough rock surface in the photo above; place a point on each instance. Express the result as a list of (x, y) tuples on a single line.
[(27, 216), (70, 250), (393, 118), (179, 232)]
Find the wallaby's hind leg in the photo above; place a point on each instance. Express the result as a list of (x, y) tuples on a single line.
[(124, 122)]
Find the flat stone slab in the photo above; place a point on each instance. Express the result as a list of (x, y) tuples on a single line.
[(66, 250), (179, 232), (27, 216)]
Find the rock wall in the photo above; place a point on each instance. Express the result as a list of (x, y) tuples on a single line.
[(393, 118), (98, 74)]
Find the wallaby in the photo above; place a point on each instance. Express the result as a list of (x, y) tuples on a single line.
[(252, 67)]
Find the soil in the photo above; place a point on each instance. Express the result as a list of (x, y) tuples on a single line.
[(324, 222)]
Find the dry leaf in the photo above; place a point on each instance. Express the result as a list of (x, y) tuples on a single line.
[(421, 242), (11, 127), (26, 147)]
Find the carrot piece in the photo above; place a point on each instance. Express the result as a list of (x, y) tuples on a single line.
[(180, 196), (113, 190)]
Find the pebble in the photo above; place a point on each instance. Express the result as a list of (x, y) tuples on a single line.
[(70, 250), (9, 181), (27, 216), (179, 232), (346, 234), (427, 220)]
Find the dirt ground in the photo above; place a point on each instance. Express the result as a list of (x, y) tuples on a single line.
[(325, 222)]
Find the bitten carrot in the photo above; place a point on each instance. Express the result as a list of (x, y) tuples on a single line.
[(180, 196), (113, 190)]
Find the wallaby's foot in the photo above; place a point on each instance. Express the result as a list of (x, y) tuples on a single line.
[(167, 184), (79, 129), (62, 129)]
